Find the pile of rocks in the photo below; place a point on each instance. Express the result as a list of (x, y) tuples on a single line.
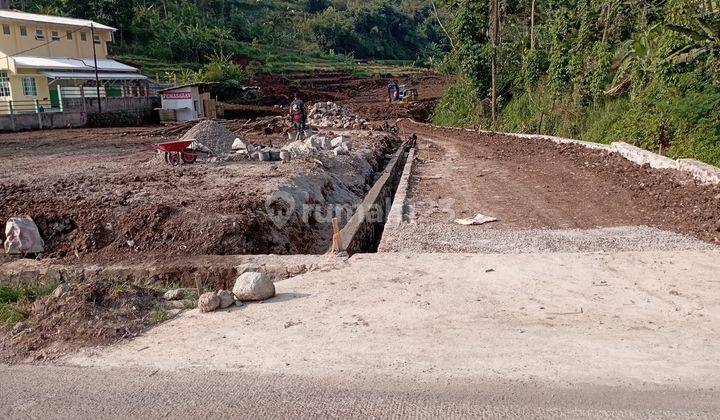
[(330, 114), (245, 150), (339, 145), (250, 286)]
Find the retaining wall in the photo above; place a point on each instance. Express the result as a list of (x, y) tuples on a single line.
[(126, 104), (363, 231), (42, 120), (216, 271)]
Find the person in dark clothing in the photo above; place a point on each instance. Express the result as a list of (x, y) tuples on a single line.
[(298, 116), (393, 91)]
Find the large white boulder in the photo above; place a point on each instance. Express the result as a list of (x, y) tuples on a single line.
[(253, 286), (22, 236), (239, 144)]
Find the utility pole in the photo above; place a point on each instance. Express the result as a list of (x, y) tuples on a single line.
[(532, 25), (97, 75), (493, 59)]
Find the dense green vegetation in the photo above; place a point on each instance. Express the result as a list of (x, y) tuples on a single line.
[(279, 34), (646, 71)]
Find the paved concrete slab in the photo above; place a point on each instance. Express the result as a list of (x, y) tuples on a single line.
[(611, 319)]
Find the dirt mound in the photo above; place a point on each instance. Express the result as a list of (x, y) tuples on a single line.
[(86, 314), (213, 136)]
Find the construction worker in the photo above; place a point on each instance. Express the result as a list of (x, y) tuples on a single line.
[(393, 91), (298, 117)]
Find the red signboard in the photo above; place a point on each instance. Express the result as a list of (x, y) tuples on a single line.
[(176, 95)]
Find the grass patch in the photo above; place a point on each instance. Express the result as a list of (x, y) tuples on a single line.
[(280, 60), (683, 117), (459, 107), (11, 314), (159, 315), (10, 294)]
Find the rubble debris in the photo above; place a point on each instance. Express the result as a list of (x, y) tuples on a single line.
[(341, 150), (226, 297), (177, 294), (22, 236), (340, 145), (180, 304), (61, 290), (213, 136), (479, 219), (208, 302), (298, 149), (19, 327), (252, 286), (330, 114)]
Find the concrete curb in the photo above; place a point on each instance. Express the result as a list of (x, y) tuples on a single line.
[(702, 172), (397, 212), (643, 157), (364, 229)]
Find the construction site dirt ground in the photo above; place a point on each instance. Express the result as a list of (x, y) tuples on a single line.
[(596, 294), (537, 187)]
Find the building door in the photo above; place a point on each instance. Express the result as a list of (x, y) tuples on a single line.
[(54, 99)]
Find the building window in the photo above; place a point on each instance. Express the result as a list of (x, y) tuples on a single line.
[(4, 84), (69, 35), (39, 35), (96, 38), (55, 36), (29, 86), (83, 36), (6, 29), (23, 31)]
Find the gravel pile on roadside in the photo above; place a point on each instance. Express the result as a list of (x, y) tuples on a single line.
[(215, 137), (438, 237)]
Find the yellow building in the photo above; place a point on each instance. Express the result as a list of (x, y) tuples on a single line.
[(44, 59)]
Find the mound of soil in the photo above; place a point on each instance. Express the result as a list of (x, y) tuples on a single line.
[(86, 314)]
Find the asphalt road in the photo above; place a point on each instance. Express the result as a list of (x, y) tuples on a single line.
[(75, 392)]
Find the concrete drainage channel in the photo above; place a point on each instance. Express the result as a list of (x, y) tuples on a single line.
[(364, 230)]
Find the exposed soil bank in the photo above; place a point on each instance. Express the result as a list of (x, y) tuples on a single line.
[(101, 195)]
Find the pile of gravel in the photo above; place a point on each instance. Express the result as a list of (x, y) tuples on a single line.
[(452, 238), (213, 136)]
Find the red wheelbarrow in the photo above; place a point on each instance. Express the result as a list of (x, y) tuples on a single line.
[(177, 152)]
